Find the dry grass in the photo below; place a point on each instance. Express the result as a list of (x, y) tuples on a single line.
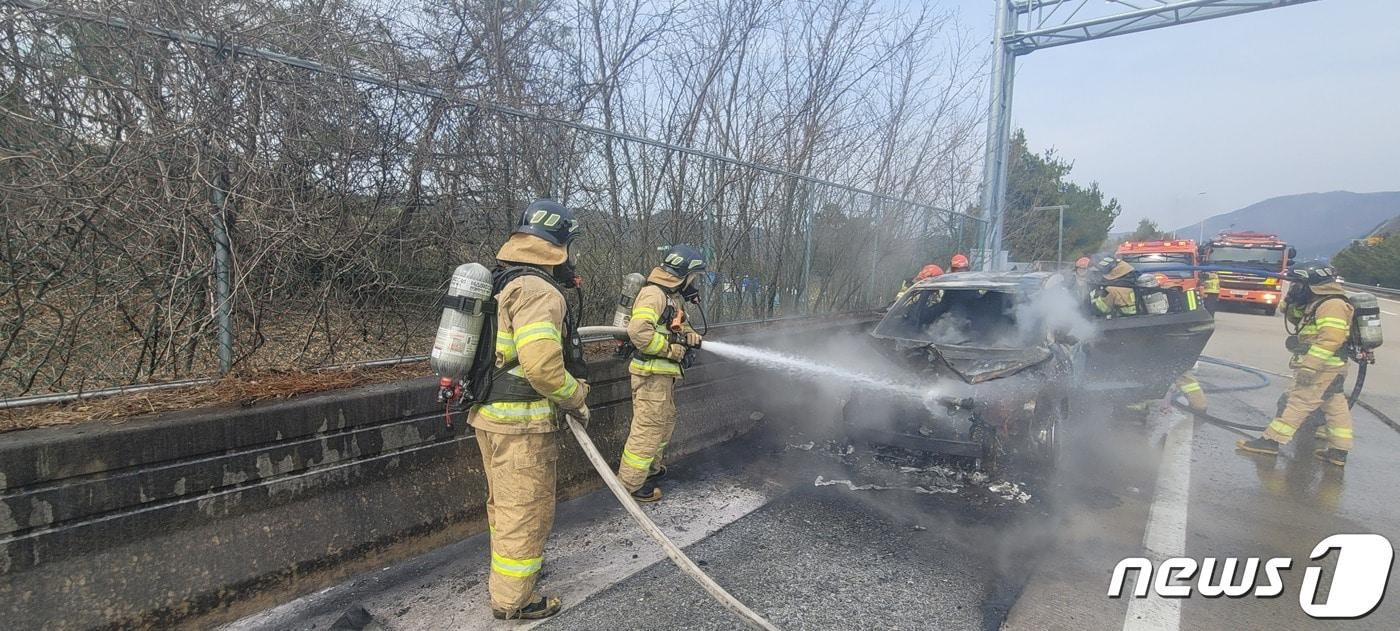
[(242, 390), (239, 390)]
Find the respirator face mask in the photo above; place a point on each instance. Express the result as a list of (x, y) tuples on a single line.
[(1298, 293), (690, 289), (566, 273)]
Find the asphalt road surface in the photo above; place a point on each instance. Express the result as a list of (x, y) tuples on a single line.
[(817, 534)]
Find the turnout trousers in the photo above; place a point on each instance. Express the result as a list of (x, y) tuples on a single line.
[(1189, 386), (653, 422), (1324, 393), (520, 478)]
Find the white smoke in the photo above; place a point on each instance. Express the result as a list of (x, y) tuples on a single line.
[(1055, 310)]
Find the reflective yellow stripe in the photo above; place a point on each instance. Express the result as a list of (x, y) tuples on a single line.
[(567, 390), (644, 313), (1326, 355), (1318, 351), (1101, 305), (536, 331), (636, 462), (1128, 309), (656, 366), (657, 343), (1340, 432), (518, 411), (1191, 387), (518, 568), (1191, 301), (1282, 429), (1333, 323), (505, 345)]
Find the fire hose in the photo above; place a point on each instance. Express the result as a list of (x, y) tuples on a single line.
[(752, 618), (1264, 381)]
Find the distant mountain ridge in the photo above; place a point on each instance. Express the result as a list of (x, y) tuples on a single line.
[(1317, 224)]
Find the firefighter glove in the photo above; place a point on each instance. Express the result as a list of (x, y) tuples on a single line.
[(583, 414), (675, 352), (693, 339)]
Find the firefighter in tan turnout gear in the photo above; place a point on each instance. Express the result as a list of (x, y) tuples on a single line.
[(1114, 295), (538, 372), (1317, 305), (663, 341)]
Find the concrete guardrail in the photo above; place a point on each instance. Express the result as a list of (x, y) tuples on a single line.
[(206, 515)]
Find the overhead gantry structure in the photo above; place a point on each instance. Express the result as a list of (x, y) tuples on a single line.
[(1025, 26)]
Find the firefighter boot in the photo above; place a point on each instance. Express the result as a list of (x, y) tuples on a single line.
[(1259, 445), (541, 607), (648, 493), (657, 472), (1333, 455)]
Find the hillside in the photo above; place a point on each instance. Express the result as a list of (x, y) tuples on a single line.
[(1318, 224)]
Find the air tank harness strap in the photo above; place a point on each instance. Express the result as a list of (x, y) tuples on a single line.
[(469, 305)]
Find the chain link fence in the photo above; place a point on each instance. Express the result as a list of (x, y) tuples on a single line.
[(169, 197)]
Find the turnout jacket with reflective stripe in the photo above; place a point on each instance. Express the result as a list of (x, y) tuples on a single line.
[(1114, 300), (530, 324), (651, 335), (1324, 328)]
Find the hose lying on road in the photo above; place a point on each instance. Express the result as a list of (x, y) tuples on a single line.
[(681, 560), (1263, 378)]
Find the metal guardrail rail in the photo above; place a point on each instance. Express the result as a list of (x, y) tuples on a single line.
[(1382, 291), (69, 397)]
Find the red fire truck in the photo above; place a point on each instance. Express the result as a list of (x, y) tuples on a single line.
[(1249, 250), (1150, 256)]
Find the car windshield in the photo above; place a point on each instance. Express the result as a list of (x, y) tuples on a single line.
[(1263, 258), (954, 317)]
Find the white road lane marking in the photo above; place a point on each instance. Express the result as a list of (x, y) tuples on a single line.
[(1388, 313), (1166, 529)]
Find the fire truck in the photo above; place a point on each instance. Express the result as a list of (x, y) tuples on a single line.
[(1150, 256), (1249, 250)]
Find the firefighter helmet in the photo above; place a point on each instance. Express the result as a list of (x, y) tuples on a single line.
[(549, 220), (1312, 273), (1106, 264), (1082, 263), (959, 263), (682, 259), (929, 271)]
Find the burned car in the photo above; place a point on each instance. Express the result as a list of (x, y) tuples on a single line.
[(1003, 354)]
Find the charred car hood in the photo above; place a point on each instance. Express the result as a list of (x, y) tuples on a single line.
[(975, 364)]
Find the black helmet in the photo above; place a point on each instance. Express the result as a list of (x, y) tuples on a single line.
[(1312, 273), (682, 259), (1106, 264), (549, 220)]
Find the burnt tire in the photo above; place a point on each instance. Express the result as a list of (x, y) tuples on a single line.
[(1042, 442)]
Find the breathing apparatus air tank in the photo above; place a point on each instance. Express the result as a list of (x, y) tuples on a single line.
[(1153, 300), (631, 284), (459, 329), (1366, 321)]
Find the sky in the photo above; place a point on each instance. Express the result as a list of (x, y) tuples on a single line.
[(1189, 121)]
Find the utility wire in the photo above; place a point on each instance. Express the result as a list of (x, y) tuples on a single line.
[(220, 44)]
